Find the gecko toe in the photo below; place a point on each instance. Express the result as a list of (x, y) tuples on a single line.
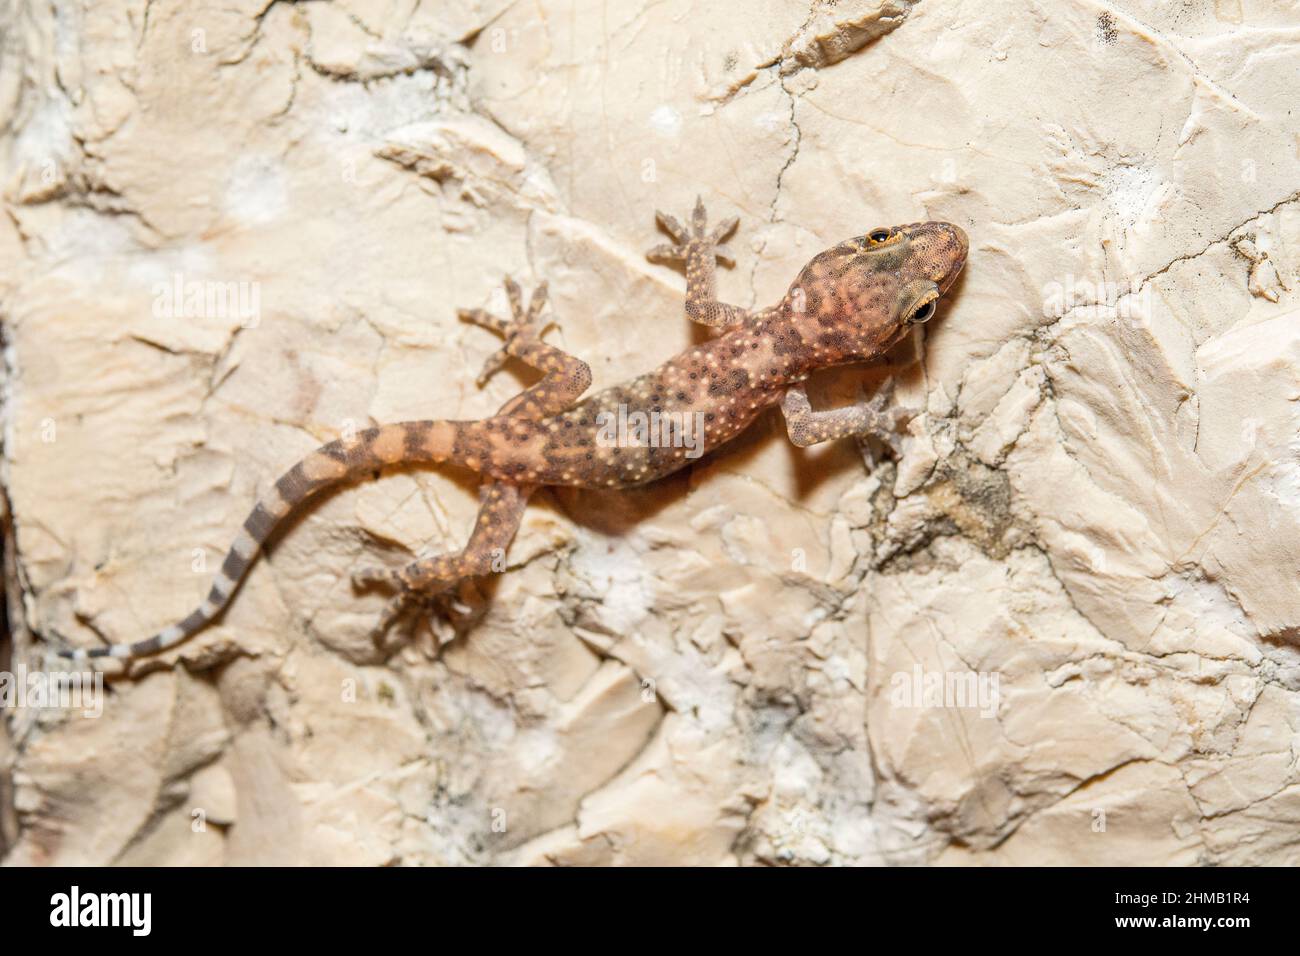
[(670, 225), (491, 366), (665, 252), (724, 230), (699, 218), (537, 303), (516, 297), (394, 609), (369, 577), (483, 319)]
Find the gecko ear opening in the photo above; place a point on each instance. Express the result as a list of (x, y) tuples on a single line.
[(922, 313), (917, 302)]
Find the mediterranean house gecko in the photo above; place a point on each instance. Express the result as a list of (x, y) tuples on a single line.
[(851, 303)]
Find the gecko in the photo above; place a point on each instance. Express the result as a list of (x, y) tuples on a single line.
[(850, 304)]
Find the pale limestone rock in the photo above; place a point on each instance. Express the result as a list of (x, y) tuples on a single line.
[(1061, 629), (212, 792)]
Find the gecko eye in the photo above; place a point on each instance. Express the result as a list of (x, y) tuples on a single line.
[(879, 235), (923, 313)]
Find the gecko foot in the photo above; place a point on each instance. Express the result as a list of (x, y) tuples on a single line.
[(695, 238), (397, 606), (412, 604), (403, 599), (521, 329), (410, 593), (884, 419), (390, 579)]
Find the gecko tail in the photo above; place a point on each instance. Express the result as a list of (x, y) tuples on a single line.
[(334, 463)]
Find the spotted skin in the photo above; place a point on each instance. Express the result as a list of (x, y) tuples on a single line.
[(851, 303)]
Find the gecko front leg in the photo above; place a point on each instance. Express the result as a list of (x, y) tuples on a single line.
[(700, 251), (807, 427)]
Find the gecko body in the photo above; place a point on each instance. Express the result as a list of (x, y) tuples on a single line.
[(851, 303)]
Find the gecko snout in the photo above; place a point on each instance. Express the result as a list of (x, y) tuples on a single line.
[(960, 244), (938, 250)]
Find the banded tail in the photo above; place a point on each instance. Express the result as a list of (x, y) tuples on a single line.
[(331, 464)]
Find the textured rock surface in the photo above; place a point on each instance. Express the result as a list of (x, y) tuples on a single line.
[(1093, 524)]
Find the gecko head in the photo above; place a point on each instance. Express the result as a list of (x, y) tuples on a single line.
[(865, 294)]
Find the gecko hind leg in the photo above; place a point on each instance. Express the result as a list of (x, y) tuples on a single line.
[(501, 508), (566, 377), (501, 505), (700, 251)]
